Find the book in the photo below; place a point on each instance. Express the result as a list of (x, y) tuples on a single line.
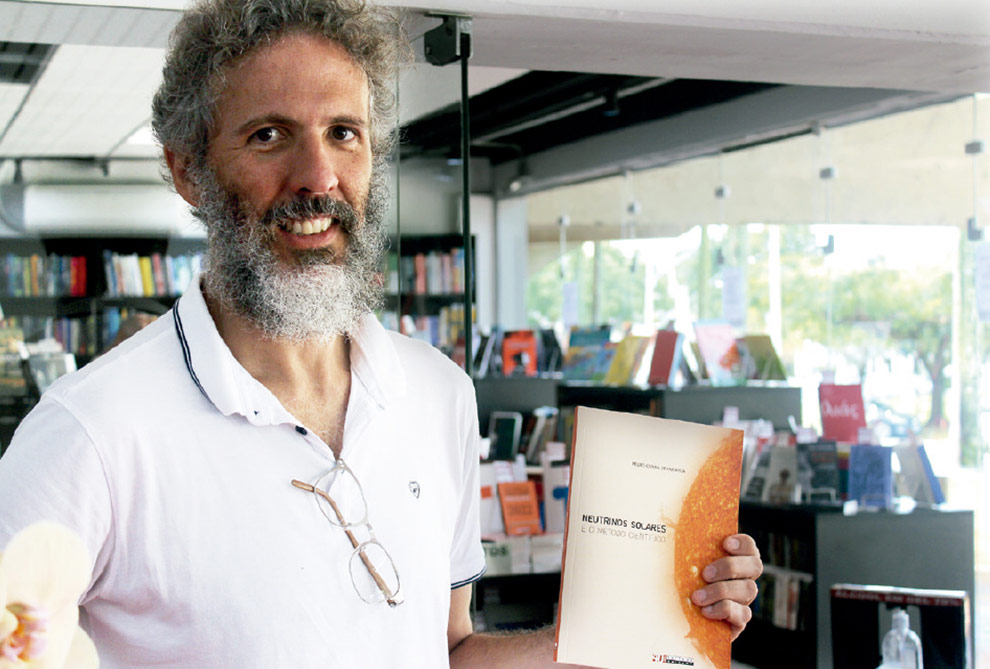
[(842, 411), (505, 430), (588, 363), (871, 478), (544, 429), (627, 360), (595, 336), (761, 359), (520, 508), (717, 346), (649, 504), (917, 479), (818, 469), (519, 353), (556, 480), (666, 358), (550, 355)]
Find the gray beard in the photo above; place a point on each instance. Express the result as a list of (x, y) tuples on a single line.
[(318, 297)]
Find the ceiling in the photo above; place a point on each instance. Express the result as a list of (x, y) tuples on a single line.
[(545, 73)]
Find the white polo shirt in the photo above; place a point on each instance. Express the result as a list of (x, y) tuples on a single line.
[(174, 465)]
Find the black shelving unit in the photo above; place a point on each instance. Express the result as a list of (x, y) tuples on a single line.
[(926, 548)]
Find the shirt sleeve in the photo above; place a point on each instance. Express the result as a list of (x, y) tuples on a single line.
[(52, 471), (467, 557)]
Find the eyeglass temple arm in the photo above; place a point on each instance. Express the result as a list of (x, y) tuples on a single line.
[(379, 581)]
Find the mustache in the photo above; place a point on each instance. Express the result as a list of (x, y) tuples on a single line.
[(304, 208)]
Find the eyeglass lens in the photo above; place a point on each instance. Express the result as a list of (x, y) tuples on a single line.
[(370, 559), (348, 506)]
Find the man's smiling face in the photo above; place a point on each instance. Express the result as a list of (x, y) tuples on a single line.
[(293, 201), (292, 123)]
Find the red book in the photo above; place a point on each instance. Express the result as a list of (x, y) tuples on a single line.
[(419, 284), (842, 412), (666, 357), (520, 509), (158, 273), (519, 353)]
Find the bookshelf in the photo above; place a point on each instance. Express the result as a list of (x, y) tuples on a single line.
[(77, 289), (807, 549), (424, 293)]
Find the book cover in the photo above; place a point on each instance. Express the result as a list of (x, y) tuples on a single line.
[(666, 358), (842, 411), (490, 510), (627, 360), (588, 363), (763, 362), (519, 353), (649, 503), (818, 468), (593, 336), (871, 478), (916, 479), (717, 346), (520, 508)]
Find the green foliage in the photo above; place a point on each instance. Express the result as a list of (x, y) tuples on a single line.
[(621, 287)]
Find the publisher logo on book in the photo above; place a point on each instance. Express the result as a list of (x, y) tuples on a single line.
[(679, 660)]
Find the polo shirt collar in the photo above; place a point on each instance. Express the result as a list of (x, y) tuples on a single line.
[(221, 378)]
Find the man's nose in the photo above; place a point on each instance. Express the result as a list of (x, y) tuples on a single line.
[(315, 168)]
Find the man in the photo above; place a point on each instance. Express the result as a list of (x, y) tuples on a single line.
[(264, 476)]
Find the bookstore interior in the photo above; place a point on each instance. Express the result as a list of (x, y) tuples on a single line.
[(802, 261)]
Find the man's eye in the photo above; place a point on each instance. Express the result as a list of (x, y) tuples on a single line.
[(266, 135), (342, 133)]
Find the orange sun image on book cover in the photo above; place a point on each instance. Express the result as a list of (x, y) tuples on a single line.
[(708, 515)]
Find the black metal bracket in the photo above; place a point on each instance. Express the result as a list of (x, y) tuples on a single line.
[(445, 44)]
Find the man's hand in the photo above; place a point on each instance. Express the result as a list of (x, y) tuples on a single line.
[(732, 583)]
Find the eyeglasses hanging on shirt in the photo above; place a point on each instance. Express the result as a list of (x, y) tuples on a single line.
[(341, 499)]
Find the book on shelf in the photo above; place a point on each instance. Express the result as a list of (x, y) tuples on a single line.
[(842, 411), (785, 598), (40, 275), (588, 363), (649, 504), (775, 476), (917, 478), (818, 470), (871, 476), (550, 356), (490, 510), (154, 275), (432, 272), (556, 482), (520, 508), (505, 431), (627, 361), (716, 341), (544, 429), (589, 336), (760, 358), (666, 358), (519, 351)]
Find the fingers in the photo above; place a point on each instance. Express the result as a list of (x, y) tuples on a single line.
[(741, 592), (743, 561), (740, 544), (735, 614), (731, 583)]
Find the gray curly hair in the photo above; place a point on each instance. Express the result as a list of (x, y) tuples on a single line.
[(214, 33)]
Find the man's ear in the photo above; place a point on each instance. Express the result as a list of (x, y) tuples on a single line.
[(178, 165)]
